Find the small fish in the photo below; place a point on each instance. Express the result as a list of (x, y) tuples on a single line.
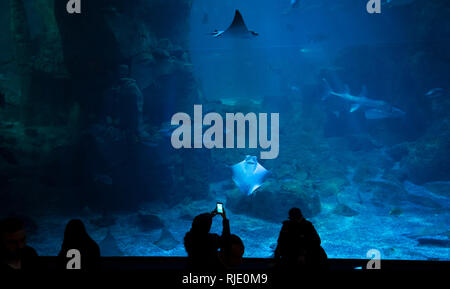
[(305, 50), (395, 212), (205, 18), (435, 92), (398, 3), (376, 113)]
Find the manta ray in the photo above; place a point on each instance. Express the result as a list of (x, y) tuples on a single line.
[(248, 175), (237, 29)]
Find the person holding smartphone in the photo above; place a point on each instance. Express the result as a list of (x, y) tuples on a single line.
[(202, 246)]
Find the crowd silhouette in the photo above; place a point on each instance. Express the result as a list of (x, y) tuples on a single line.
[(298, 246)]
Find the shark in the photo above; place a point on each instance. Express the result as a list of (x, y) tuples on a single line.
[(374, 108), (237, 29), (248, 175)]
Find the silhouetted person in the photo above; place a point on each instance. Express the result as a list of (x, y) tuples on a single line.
[(14, 253), (76, 237), (231, 253), (299, 244), (201, 246)]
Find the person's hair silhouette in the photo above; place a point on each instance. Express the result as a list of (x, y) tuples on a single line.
[(201, 246), (232, 252), (299, 244), (76, 237), (295, 214), (14, 252)]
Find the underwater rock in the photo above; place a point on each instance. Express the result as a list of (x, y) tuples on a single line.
[(434, 242), (109, 247), (428, 159), (383, 192), (398, 151), (439, 188), (419, 195), (147, 222), (332, 186), (221, 186), (344, 210), (31, 132), (277, 199), (193, 175), (361, 143), (104, 221), (166, 241), (50, 58), (187, 217)]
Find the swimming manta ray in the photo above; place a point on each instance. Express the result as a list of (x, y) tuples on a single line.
[(248, 175), (237, 29)]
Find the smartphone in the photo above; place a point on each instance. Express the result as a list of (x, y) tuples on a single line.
[(219, 208)]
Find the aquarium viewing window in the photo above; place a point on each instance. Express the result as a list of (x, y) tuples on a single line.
[(134, 117)]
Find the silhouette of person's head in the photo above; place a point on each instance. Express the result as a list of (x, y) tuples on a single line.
[(232, 253), (75, 231), (202, 224), (13, 237), (295, 214)]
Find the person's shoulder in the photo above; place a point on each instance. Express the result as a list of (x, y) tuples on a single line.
[(286, 222), (29, 251), (309, 223), (213, 236), (95, 247), (286, 225)]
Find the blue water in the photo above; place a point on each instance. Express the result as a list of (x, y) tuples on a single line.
[(364, 183)]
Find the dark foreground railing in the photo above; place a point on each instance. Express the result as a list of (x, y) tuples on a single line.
[(249, 264)]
